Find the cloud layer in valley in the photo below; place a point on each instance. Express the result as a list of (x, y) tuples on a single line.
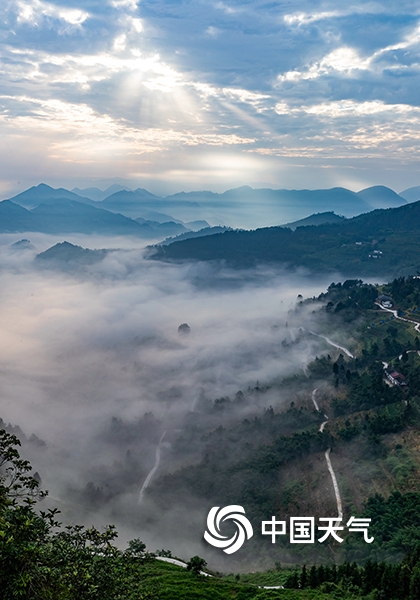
[(80, 349)]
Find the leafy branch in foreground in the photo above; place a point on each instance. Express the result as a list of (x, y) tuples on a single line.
[(15, 481), (41, 560)]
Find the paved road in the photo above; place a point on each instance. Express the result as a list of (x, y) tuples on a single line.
[(327, 339), (314, 399), (180, 563), (328, 459), (395, 313), (153, 471), (335, 484)]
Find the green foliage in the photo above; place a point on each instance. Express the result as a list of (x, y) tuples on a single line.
[(42, 560), (136, 548), (196, 564), (374, 581), (15, 481), (346, 246), (256, 463)]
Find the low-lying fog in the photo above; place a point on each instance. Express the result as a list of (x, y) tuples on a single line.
[(78, 350)]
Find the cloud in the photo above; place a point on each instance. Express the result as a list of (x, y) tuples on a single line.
[(346, 108), (347, 61), (93, 365), (35, 11), (78, 350), (208, 71), (307, 18), (213, 31), (124, 4), (342, 60), (62, 137), (229, 10)]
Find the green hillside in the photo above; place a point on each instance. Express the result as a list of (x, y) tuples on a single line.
[(315, 219), (40, 559), (382, 242), (272, 462)]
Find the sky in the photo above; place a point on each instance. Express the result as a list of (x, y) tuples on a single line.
[(201, 94)]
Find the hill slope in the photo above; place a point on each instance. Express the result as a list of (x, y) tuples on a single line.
[(96, 194), (65, 253), (315, 219), (380, 242), (68, 216), (380, 196), (62, 216), (15, 218), (411, 194), (141, 203)]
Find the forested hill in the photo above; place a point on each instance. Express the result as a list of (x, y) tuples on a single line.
[(384, 241)]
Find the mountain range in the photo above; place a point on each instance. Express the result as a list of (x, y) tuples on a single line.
[(339, 199), (68, 216), (243, 207), (50, 210), (381, 242)]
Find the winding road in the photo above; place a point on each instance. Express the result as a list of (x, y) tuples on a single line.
[(153, 471), (324, 423), (314, 400), (416, 327), (395, 313), (327, 339), (328, 459)]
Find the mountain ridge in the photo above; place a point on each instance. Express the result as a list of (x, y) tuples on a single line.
[(381, 241), (37, 194), (67, 216)]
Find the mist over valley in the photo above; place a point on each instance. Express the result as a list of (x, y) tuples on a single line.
[(94, 366)]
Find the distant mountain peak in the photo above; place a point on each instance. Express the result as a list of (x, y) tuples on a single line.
[(40, 193), (380, 196), (411, 194), (23, 244), (42, 186), (241, 188), (96, 194)]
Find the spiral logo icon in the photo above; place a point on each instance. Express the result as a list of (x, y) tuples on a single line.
[(217, 516)]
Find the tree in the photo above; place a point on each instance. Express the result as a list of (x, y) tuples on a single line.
[(39, 560), (137, 548), (303, 580), (196, 564), (15, 481)]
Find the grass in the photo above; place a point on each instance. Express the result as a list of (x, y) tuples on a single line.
[(164, 581)]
